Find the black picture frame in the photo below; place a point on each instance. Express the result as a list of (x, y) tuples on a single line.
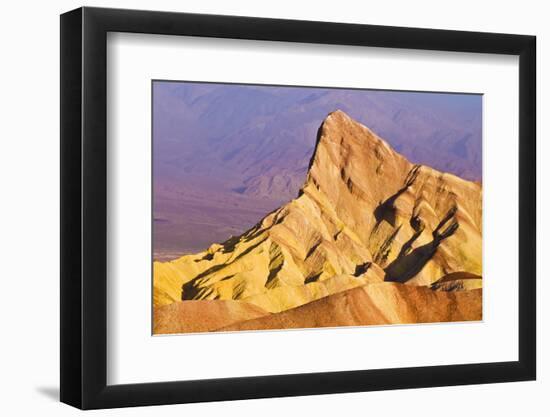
[(84, 207)]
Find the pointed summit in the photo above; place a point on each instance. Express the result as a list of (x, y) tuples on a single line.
[(350, 155), (349, 131)]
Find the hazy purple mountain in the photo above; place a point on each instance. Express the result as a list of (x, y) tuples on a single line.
[(237, 151)]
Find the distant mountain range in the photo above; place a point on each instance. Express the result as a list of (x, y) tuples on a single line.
[(245, 150), (370, 238)]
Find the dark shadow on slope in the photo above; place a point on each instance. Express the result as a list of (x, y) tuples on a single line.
[(272, 275), (313, 278), (407, 246), (386, 210), (409, 263), (230, 243), (406, 267), (190, 292), (360, 269), (383, 252)]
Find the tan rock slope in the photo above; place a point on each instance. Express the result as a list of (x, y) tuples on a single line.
[(202, 316), (364, 216), (374, 304)]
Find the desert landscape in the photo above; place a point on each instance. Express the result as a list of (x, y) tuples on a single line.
[(225, 155), (367, 238)]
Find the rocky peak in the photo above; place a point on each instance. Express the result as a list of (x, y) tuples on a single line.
[(365, 214), (348, 155)]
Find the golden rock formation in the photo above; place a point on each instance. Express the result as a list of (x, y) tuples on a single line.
[(365, 217)]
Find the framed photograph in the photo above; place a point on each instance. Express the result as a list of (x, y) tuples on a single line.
[(258, 208)]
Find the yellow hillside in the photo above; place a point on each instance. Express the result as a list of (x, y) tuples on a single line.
[(365, 216)]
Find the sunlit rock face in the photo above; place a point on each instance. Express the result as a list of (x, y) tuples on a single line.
[(364, 217)]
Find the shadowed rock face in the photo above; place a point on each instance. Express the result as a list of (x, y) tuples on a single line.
[(365, 215)]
